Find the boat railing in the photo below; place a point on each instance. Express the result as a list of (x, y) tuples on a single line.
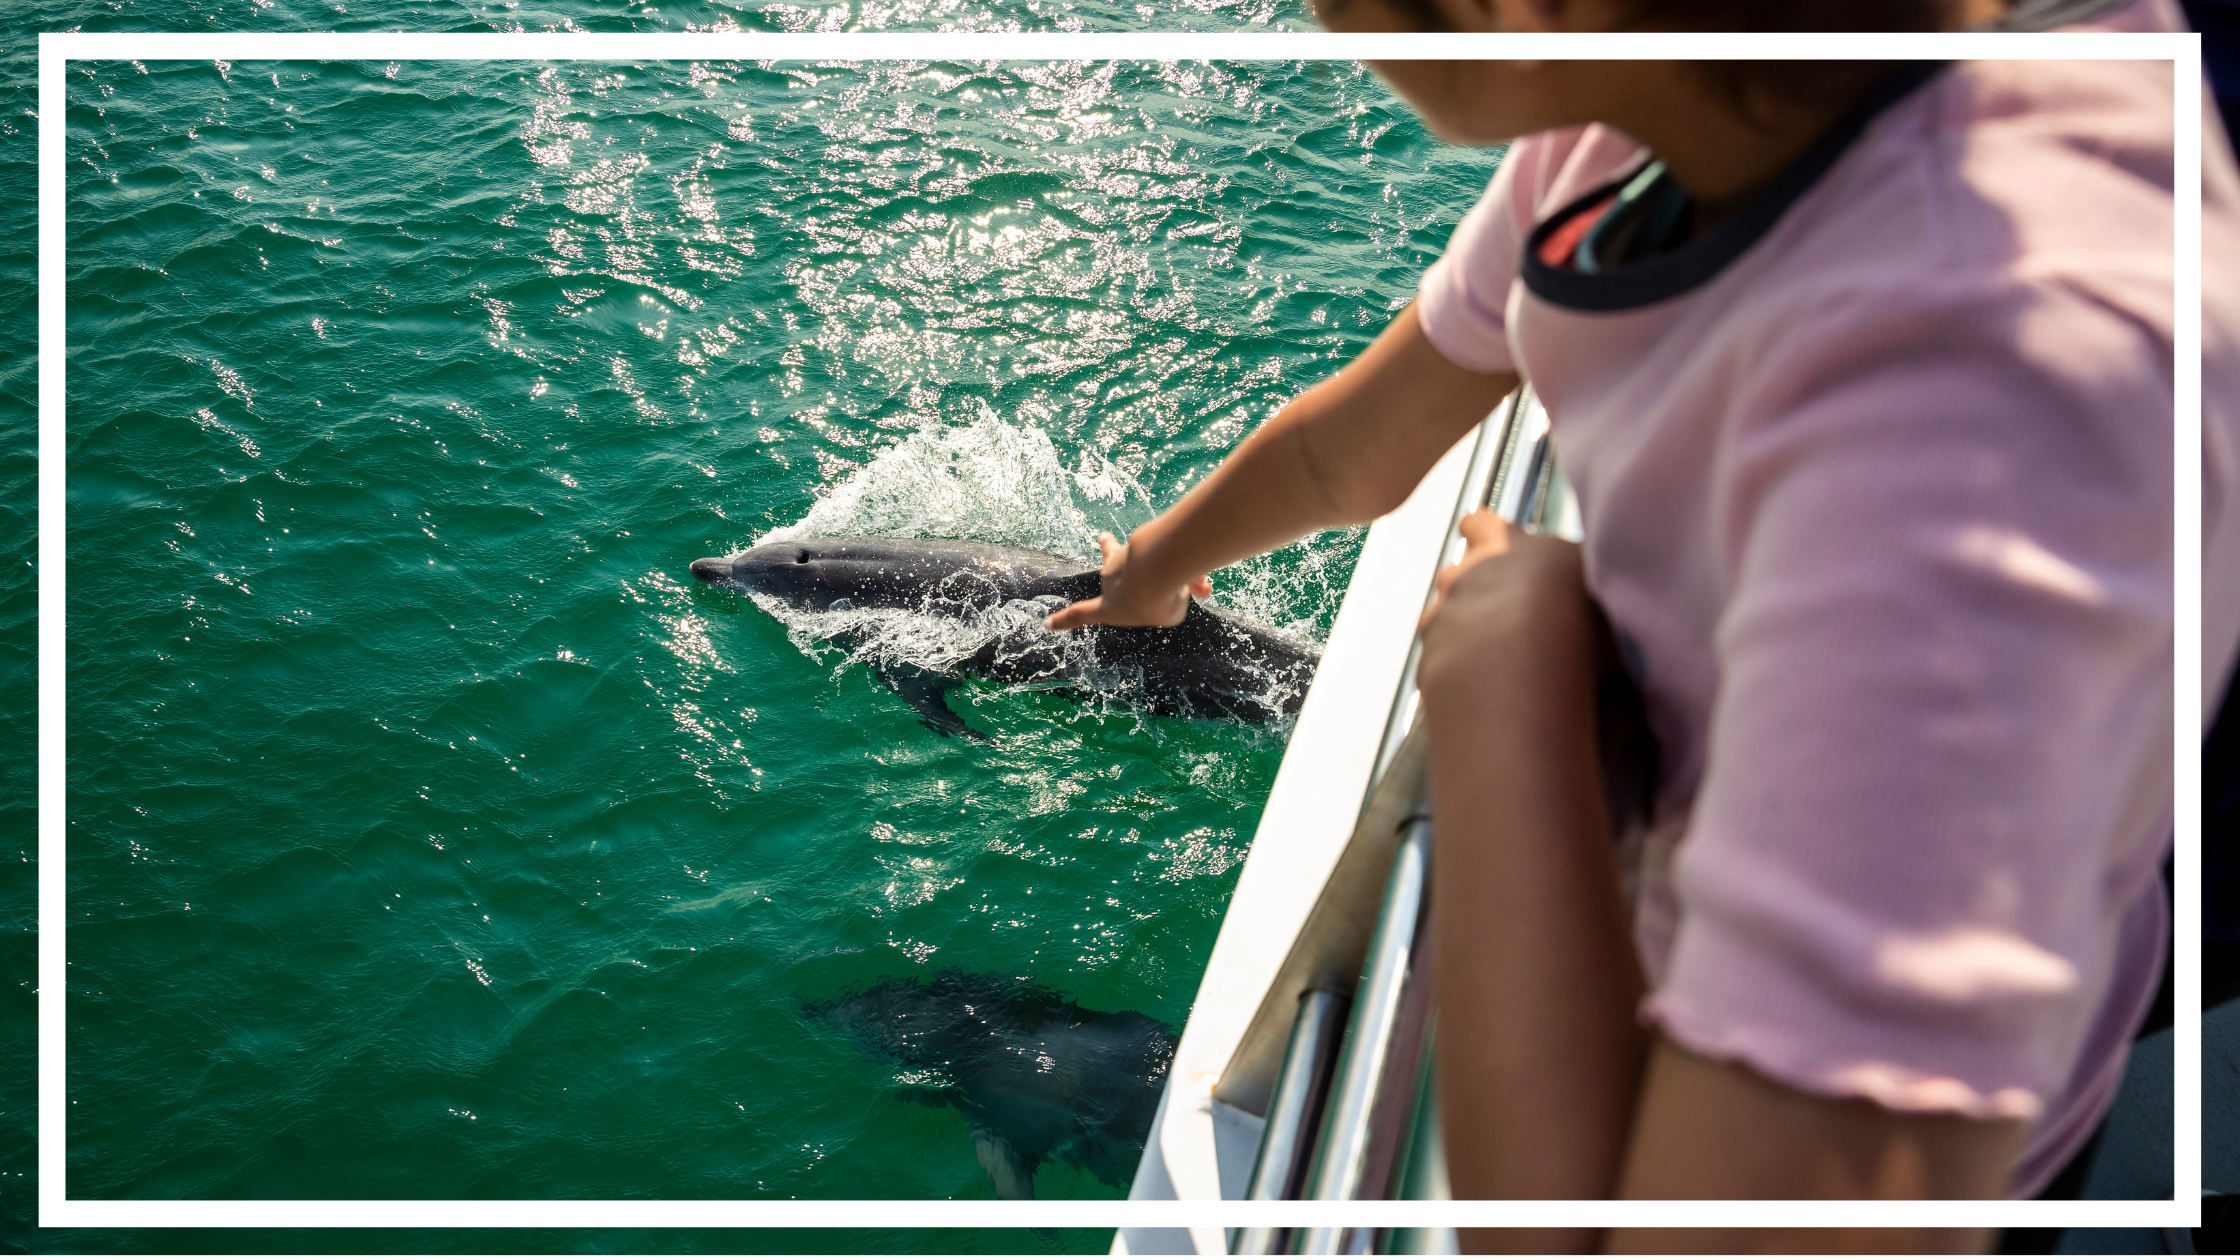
[(1337, 1059)]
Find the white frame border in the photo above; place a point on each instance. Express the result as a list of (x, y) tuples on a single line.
[(56, 50)]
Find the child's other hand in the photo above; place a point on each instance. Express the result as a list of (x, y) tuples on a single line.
[(1486, 536), (1126, 603), (1508, 580)]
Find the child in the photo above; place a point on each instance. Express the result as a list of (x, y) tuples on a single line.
[(1862, 374)]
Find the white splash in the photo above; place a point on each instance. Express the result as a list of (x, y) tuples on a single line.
[(987, 481), (935, 643)]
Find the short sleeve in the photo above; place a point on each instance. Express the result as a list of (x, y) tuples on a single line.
[(1463, 299), (1938, 769)]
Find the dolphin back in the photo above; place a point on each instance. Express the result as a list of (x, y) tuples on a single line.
[(1215, 664)]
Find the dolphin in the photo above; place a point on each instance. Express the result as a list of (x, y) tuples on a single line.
[(1036, 1077), (1214, 664)]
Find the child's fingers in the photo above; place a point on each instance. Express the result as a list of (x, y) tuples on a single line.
[(1485, 531), (1488, 536), (1072, 615), (1201, 586)]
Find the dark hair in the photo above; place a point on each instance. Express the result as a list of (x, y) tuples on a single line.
[(1799, 82), (1749, 16), (1793, 82)]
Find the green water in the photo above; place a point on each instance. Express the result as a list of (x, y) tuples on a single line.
[(431, 834)]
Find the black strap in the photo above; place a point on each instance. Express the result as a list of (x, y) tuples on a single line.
[(1662, 277)]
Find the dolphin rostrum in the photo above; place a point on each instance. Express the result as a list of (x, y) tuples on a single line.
[(1036, 1077), (1214, 664)]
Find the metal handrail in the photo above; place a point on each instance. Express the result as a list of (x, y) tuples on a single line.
[(1378, 1135), (1358, 1150), (1293, 1128), (1402, 1122), (1495, 448), (1367, 1129), (1424, 1174), (1279, 1170)]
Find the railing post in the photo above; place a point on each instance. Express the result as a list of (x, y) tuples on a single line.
[(1294, 1115), (1423, 1175), (1356, 1152)]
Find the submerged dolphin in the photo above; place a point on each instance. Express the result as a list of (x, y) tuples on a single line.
[(1214, 664), (1037, 1077)]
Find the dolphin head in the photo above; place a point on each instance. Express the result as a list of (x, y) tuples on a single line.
[(824, 574), (815, 574)]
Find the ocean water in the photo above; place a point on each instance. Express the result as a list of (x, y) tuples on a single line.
[(432, 834)]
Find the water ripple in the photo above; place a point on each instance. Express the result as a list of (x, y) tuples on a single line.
[(432, 833)]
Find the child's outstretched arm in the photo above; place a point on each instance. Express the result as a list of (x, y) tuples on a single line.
[(1346, 451)]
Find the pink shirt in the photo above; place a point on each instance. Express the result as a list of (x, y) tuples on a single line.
[(1879, 499)]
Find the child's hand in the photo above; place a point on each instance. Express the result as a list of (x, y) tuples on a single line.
[(1487, 536), (1124, 604), (1511, 581)]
